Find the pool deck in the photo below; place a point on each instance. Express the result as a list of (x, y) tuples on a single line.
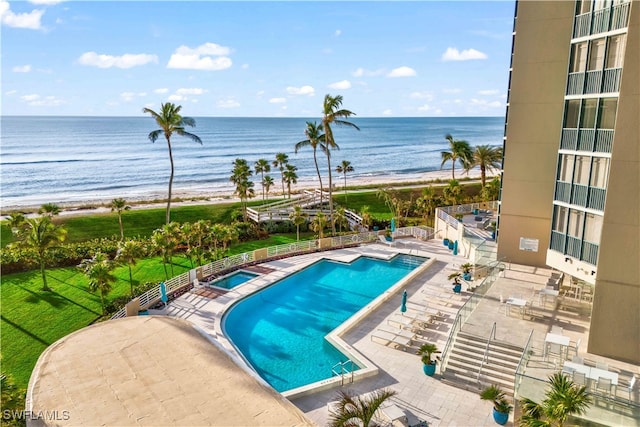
[(420, 397)]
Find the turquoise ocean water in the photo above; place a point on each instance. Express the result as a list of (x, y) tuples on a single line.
[(76, 159)]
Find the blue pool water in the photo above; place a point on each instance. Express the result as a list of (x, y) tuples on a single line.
[(280, 330), (233, 279)]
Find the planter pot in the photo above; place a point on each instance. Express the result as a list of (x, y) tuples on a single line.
[(445, 242), (451, 244), (429, 370), (500, 417), (457, 287), (466, 276)]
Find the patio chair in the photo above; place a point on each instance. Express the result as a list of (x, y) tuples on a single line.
[(579, 378), (384, 240), (602, 365), (576, 347), (604, 384), (555, 350)]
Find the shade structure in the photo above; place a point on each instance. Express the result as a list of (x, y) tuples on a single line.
[(163, 293), (393, 225), (403, 306)]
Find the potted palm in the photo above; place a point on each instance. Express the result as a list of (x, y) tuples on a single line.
[(501, 406), (427, 350), (457, 286), (466, 270)]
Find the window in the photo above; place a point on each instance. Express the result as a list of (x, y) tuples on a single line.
[(584, 6), (579, 57), (572, 113), (592, 228), (576, 223), (615, 52), (566, 167), (560, 219), (601, 4), (596, 55), (607, 113), (581, 171), (588, 116), (599, 172)]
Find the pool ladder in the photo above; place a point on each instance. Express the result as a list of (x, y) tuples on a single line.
[(339, 369)]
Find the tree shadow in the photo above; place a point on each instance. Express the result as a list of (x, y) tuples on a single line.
[(24, 331)]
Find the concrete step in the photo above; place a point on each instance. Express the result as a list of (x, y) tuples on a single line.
[(498, 343), (493, 361), (465, 382), (487, 372), (507, 355)]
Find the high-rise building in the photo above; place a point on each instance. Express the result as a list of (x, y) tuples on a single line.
[(570, 195)]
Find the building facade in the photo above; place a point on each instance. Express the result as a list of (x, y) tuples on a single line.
[(570, 196)]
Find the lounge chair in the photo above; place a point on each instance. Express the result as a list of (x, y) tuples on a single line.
[(384, 240)]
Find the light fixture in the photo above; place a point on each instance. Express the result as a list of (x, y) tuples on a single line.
[(593, 272), (567, 259)]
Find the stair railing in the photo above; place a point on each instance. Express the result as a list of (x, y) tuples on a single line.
[(522, 363), (485, 357), (342, 371)]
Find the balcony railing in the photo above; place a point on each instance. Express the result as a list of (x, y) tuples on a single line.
[(557, 241), (620, 16), (586, 139), (569, 139), (579, 195), (590, 253), (582, 25), (604, 141), (563, 191), (575, 83), (574, 246), (593, 82), (596, 198), (601, 21), (611, 80)]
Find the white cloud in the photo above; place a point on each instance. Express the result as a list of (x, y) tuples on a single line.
[(128, 60), (453, 54), (387, 112), (175, 98), (208, 56), (46, 2), (161, 90), (337, 33), (130, 96), (190, 91), (228, 103), (402, 72), (31, 20), (303, 90), (260, 93), (421, 95), (362, 72), (425, 107), (277, 100), (35, 100), (483, 102), (343, 84), (11, 92), (21, 69), (488, 92)]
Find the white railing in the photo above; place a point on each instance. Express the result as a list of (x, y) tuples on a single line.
[(152, 296)]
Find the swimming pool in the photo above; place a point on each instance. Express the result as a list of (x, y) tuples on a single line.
[(281, 329), (232, 280)]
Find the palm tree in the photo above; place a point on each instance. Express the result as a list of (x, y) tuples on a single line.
[(170, 122), (319, 223), (315, 139), (563, 399), (119, 205), (333, 114), (452, 192), (129, 252), (290, 177), (341, 218), (344, 168), (49, 209), (12, 398), (298, 218), (262, 166), (491, 191), (352, 411), (458, 151), (267, 183), (488, 158), (281, 160), (365, 214), (244, 188), (427, 202), (40, 234), (98, 270), (165, 240)]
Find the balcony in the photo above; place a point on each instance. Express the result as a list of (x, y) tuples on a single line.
[(596, 198), (604, 141), (586, 139), (563, 192), (579, 195), (574, 247), (601, 21), (620, 16), (611, 80), (582, 25), (590, 253), (569, 139), (593, 82), (557, 241), (575, 83)]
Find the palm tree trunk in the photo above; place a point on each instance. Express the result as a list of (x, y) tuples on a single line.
[(44, 275), (345, 187), (130, 280), (297, 232), (483, 175), (121, 228), (102, 301), (333, 225), (170, 181), (315, 160), (453, 169), (262, 181)]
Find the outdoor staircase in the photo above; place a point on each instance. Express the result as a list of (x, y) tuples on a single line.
[(467, 370)]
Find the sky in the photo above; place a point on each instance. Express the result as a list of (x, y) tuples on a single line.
[(255, 59)]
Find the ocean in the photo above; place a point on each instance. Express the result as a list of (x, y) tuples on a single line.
[(47, 159)]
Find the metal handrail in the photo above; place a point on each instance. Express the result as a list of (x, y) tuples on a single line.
[(523, 360), (485, 357)]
